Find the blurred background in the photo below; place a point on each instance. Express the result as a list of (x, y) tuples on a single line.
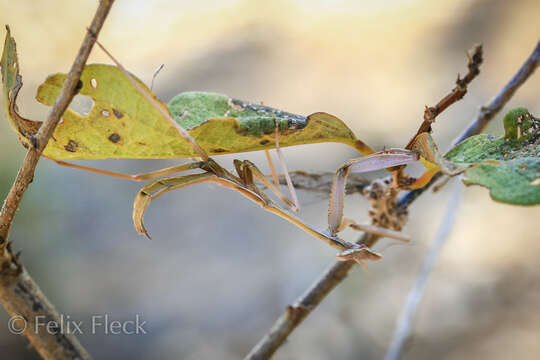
[(220, 270)]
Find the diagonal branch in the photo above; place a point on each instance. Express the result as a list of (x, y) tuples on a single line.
[(304, 305), (338, 271), (19, 294), (474, 61)]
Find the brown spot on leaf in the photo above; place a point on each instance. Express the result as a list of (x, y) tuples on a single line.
[(71, 146), (114, 138), (141, 143), (117, 113), (218, 150), (264, 142)]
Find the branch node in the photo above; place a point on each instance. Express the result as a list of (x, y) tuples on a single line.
[(34, 141), (430, 113), (91, 33)]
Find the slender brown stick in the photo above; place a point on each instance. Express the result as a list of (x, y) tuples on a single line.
[(337, 272), (19, 294), (488, 112), (475, 59), (321, 182), (272, 168)]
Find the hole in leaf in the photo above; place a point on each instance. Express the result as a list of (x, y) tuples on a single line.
[(93, 83), (81, 104), (105, 113)]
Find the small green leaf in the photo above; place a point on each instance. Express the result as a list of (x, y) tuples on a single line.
[(508, 165)]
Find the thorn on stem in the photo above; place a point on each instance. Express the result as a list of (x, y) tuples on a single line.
[(92, 34), (34, 141), (79, 86)]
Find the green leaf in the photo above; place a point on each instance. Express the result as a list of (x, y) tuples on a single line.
[(122, 124), (220, 122), (508, 165)]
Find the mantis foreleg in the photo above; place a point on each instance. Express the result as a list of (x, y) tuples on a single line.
[(377, 161), (157, 188)]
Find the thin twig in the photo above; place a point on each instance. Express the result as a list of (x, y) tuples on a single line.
[(19, 294), (321, 182), (336, 273), (488, 112), (475, 59), (415, 295)]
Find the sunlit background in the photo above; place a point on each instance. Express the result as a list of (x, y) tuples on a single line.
[(220, 270)]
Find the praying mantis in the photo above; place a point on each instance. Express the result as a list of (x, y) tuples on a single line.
[(268, 122)]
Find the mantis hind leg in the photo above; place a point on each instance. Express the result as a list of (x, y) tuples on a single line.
[(281, 157), (377, 161), (136, 177), (247, 171), (272, 168)]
